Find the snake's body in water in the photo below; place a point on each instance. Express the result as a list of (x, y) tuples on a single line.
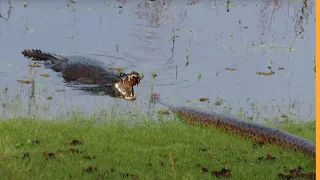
[(243, 128)]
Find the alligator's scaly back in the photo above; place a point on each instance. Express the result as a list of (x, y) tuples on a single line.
[(243, 128), (73, 68)]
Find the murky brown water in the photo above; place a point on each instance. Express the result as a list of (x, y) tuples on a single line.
[(138, 36)]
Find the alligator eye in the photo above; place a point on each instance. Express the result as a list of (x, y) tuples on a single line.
[(121, 74), (132, 76)]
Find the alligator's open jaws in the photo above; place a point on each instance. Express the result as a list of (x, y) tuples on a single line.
[(86, 70)]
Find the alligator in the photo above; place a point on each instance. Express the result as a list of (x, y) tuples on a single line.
[(244, 128), (85, 70)]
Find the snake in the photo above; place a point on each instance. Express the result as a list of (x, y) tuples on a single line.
[(241, 127)]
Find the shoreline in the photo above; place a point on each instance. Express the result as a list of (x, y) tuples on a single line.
[(144, 150)]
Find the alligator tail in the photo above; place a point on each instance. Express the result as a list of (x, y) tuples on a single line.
[(38, 55)]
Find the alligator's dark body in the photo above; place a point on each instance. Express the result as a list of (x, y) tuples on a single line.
[(75, 68), (85, 70)]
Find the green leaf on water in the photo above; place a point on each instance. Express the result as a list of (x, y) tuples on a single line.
[(270, 64), (199, 76), (187, 57), (187, 54), (291, 48), (154, 75)]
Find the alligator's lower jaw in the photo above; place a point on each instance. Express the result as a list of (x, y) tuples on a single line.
[(125, 91), (131, 98)]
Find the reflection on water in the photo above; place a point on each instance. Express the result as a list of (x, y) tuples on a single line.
[(188, 47)]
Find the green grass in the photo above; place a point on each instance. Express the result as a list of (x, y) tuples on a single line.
[(149, 150)]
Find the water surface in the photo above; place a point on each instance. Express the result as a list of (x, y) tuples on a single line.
[(209, 36)]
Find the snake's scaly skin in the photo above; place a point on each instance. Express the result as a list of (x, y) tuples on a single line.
[(243, 128)]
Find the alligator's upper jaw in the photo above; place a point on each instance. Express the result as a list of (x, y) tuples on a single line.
[(124, 86)]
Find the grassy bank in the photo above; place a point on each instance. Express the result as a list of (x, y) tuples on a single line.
[(168, 150)]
